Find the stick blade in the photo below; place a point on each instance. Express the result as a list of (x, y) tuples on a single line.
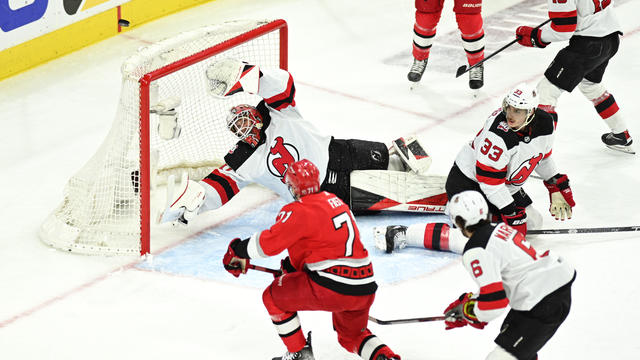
[(461, 70)]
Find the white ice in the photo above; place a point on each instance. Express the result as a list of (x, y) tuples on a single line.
[(350, 60)]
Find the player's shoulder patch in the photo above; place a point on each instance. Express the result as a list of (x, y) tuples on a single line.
[(500, 128), (480, 237)]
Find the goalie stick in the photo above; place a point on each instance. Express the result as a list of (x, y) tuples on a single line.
[(584, 230), (464, 68), (405, 321)]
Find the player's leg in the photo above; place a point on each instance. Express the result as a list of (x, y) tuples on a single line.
[(604, 102), (349, 324), (469, 19), (282, 303), (524, 333), (424, 31)]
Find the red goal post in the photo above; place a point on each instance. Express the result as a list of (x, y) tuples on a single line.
[(109, 206)]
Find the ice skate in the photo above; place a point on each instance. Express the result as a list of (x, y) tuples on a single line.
[(390, 238), (417, 69), (476, 77), (620, 142), (305, 354)]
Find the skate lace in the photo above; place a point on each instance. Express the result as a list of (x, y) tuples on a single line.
[(418, 66), (476, 73)]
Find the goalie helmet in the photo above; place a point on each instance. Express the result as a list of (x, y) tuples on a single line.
[(470, 206), (245, 122), (303, 178), (522, 98)]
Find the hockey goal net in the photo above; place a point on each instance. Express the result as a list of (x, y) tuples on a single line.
[(107, 207)]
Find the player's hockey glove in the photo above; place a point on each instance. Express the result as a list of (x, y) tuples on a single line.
[(560, 197), (529, 36), (514, 216), (236, 259), (460, 313), (286, 266)]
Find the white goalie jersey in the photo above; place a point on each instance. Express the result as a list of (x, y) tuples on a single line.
[(501, 160), (579, 17), (510, 272), (285, 137)]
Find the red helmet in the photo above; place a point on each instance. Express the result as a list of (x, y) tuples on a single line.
[(245, 122), (303, 178)]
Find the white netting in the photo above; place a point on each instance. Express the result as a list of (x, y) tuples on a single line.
[(100, 212)]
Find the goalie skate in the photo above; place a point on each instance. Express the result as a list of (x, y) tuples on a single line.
[(389, 238)]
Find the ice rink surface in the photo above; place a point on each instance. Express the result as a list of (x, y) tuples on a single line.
[(349, 60)]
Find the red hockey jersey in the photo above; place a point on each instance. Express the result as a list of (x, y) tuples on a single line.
[(321, 235)]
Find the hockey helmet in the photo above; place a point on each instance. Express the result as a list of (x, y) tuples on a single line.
[(469, 205), (523, 98), (303, 178), (245, 122)]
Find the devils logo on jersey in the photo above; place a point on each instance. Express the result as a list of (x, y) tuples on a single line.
[(280, 156), (520, 175)]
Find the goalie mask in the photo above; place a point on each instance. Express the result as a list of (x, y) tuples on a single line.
[(303, 178), (245, 122), (519, 106), (470, 206)]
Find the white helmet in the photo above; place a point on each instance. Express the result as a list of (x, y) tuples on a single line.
[(522, 97), (470, 206)]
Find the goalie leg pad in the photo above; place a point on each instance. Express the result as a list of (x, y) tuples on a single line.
[(412, 154), (374, 190)]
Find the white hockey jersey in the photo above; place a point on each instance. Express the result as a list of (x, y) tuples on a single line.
[(579, 17), (501, 159), (509, 271), (284, 138)]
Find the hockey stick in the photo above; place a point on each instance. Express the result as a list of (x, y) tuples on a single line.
[(405, 321), (584, 230), (464, 68), (273, 272)]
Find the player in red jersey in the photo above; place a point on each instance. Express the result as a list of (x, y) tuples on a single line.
[(327, 269), (469, 22)]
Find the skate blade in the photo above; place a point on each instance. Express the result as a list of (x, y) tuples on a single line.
[(625, 149), (379, 237)]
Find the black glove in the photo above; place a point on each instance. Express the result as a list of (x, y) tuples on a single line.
[(514, 216), (286, 266)]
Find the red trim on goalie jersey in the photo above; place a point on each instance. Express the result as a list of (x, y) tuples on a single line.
[(284, 99), (565, 22), (224, 185)]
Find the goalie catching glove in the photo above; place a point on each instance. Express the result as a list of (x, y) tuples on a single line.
[(230, 76), (183, 203), (460, 313), (560, 197)]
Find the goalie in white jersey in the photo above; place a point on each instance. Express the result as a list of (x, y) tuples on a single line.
[(593, 31), (272, 135), (515, 141), (509, 272)]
